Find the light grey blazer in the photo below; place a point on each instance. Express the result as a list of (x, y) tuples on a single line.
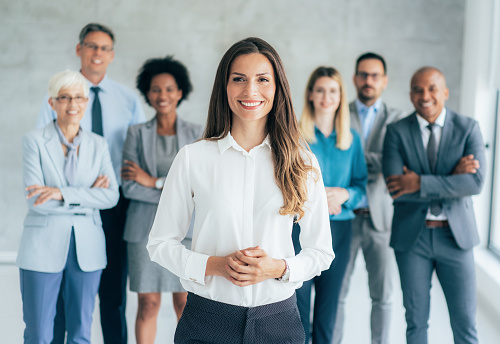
[(140, 147), (47, 227), (403, 146), (379, 200)]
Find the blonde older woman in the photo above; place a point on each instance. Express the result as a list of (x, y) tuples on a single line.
[(68, 177)]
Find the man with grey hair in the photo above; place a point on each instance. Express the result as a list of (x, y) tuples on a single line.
[(433, 162), (112, 109)]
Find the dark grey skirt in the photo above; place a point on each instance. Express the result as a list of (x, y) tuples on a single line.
[(207, 321), (147, 276)]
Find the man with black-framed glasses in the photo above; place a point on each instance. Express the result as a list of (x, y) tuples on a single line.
[(371, 229), (112, 109)]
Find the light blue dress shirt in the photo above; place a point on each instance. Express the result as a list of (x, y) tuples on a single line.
[(120, 109), (367, 115), (342, 168)]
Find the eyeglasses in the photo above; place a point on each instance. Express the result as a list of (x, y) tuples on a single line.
[(374, 76), (67, 99), (95, 47)]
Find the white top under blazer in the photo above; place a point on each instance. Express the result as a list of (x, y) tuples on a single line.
[(237, 205)]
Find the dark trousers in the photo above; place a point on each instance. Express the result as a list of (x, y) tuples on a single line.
[(207, 321), (112, 289), (437, 250), (327, 286)]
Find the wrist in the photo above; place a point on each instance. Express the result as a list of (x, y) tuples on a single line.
[(158, 183), (284, 270)]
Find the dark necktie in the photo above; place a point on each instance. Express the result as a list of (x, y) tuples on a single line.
[(432, 147), (96, 112)]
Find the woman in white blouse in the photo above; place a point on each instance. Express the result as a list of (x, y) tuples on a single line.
[(247, 180)]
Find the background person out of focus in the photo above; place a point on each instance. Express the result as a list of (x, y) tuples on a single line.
[(434, 161), (371, 229), (148, 153), (112, 109), (325, 126), (68, 177)]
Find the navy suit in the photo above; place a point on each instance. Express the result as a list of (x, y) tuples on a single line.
[(419, 249)]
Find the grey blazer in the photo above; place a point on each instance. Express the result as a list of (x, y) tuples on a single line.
[(140, 147), (379, 200), (47, 227), (403, 147)]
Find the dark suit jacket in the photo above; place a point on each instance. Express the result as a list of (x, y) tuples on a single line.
[(379, 200), (140, 147), (403, 146)]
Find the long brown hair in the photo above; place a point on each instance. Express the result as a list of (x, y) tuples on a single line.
[(287, 145), (342, 117)]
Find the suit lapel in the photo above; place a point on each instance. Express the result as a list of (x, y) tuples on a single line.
[(180, 131), (148, 136), (445, 138), (55, 152), (85, 159), (380, 119), (355, 121), (419, 145)]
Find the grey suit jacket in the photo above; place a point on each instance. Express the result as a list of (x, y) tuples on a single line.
[(47, 227), (380, 202), (403, 146), (140, 147)]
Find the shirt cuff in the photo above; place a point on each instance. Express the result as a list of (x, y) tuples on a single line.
[(196, 266)]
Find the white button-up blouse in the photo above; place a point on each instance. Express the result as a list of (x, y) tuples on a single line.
[(237, 205)]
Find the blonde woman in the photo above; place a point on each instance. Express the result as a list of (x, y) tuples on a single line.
[(325, 126), (241, 271)]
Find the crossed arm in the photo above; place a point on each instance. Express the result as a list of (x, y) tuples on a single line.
[(466, 179)]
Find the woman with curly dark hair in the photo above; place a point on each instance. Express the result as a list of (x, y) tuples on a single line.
[(148, 153), (247, 180)]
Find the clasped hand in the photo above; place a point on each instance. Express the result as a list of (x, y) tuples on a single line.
[(335, 197), (47, 193), (246, 267)]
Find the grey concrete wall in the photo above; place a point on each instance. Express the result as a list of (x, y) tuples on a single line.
[(38, 39)]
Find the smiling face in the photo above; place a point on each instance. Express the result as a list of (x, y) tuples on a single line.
[(251, 88), (70, 106), (164, 95), (325, 96), (96, 53), (428, 93)]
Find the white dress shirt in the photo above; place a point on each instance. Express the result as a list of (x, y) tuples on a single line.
[(426, 133), (237, 204)]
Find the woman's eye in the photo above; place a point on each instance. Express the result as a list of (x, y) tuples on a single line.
[(238, 79), (263, 80), (155, 90)]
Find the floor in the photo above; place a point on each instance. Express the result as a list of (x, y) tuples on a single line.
[(357, 317)]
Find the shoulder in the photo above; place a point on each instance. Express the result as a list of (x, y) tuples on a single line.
[(190, 127), (134, 128), (352, 107), (355, 135), (99, 141), (33, 136), (402, 123), (121, 89), (393, 113), (461, 120)]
